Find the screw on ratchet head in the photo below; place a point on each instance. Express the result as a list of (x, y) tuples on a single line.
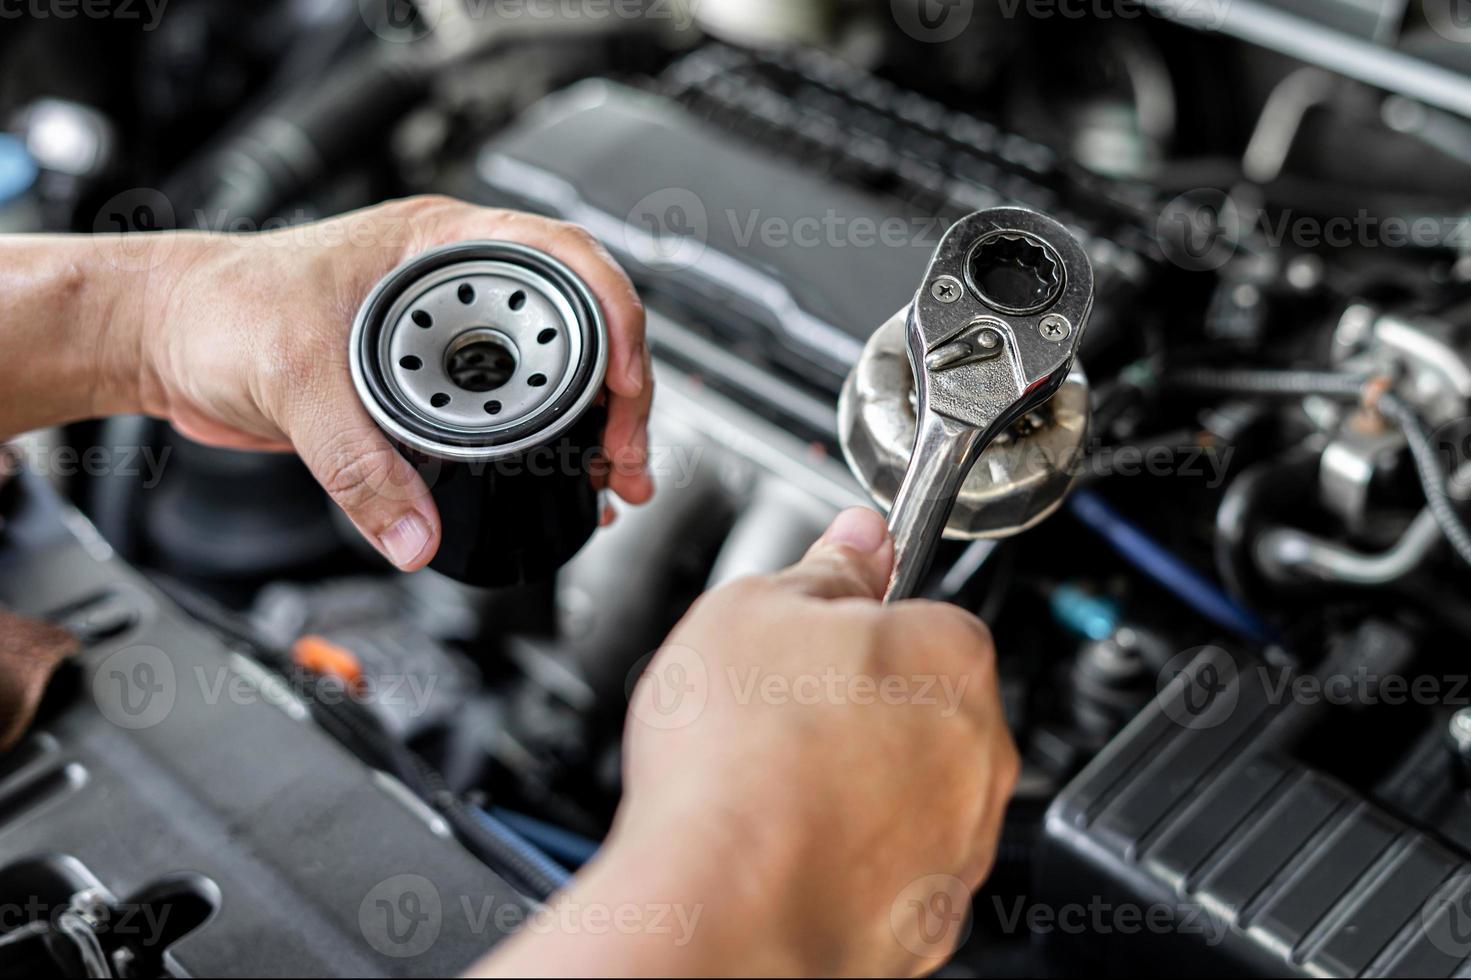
[(984, 354)]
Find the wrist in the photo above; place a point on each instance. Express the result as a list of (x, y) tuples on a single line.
[(681, 905), (137, 302), (75, 314), (736, 880)]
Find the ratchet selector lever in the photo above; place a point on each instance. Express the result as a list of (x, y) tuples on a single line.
[(991, 336)]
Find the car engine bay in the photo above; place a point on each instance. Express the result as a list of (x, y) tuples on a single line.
[(1225, 566)]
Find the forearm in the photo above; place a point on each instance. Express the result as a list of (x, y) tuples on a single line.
[(72, 326), (656, 907)]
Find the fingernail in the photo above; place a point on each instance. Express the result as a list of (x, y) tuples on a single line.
[(403, 542), (858, 528), (635, 370)]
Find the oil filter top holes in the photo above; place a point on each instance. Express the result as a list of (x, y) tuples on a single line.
[(480, 361), (423, 319), (467, 293), (517, 300)]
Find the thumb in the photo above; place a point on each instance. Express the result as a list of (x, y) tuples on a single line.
[(383, 495), (853, 559)]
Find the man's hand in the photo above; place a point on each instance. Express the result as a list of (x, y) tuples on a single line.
[(245, 346), (813, 778)]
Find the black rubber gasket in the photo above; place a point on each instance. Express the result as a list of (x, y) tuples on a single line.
[(577, 293)]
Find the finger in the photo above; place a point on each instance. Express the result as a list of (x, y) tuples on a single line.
[(623, 310), (626, 442), (380, 492), (853, 559), (1005, 770), (229, 438), (630, 375), (447, 219), (210, 431)]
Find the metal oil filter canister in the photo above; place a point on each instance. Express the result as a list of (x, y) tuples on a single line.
[(484, 362)]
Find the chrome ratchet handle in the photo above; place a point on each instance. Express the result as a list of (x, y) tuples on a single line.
[(991, 335), (943, 453)]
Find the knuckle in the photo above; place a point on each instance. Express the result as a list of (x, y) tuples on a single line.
[(964, 635), (830, 572), (422, 220), (946, 630), (741, 593), (358, 473), (1009, 769), (419, 203), (635, 304), (575, 235), (848, 580), (741, 588)]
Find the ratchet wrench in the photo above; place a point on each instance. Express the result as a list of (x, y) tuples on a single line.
[(991, 335)]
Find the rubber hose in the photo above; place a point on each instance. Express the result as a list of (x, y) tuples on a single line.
[(1433, 476), (1286, 384)]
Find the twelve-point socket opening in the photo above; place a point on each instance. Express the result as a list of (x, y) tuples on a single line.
[(1014, 272)]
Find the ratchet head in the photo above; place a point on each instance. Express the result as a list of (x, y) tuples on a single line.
[(991, 335), (994, 327)]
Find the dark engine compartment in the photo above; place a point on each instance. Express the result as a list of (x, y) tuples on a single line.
[(1232, 661)]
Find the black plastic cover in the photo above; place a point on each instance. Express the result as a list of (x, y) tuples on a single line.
[(163, 760), (1251, 861)]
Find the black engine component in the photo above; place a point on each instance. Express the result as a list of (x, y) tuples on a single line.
[(791, 194), (483, 362), (1239, 813), (1271, 367), (167, 771)]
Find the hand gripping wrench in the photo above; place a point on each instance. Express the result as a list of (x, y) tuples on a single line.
[(991, 335)]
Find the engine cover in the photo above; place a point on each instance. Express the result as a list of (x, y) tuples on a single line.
[(183, 787)]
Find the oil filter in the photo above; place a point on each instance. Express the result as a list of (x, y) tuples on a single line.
[(483, 362)]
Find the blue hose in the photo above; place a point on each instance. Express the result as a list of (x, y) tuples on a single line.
[(17, 169), (528, 861), (1160, 564), (573, 850)]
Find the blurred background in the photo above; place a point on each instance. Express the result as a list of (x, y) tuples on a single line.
[(1275, 187)]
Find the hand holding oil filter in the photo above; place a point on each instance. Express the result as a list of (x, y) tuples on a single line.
[(484, 363)]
